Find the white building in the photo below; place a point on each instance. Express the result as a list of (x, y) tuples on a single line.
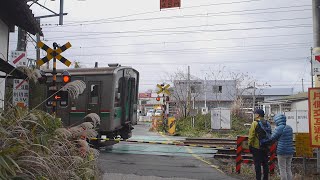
[(13, 13)]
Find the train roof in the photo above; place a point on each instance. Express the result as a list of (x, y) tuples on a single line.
[(93, 71)]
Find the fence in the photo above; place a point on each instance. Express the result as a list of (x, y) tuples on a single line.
[(242, 147)]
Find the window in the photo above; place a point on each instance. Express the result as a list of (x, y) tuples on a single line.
[(217, 89), (193, 89), (94, 93)]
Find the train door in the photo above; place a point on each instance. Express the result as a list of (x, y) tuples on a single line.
[(123, 98), (94, 97), (132, 98)]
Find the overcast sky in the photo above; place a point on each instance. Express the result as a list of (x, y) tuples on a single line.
[(269, 40)]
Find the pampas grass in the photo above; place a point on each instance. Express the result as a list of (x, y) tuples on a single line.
[(34, 145)]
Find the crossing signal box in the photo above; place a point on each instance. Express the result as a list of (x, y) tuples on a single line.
[(62, 97)]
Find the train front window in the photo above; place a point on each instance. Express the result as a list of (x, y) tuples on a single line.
[(94, 94)]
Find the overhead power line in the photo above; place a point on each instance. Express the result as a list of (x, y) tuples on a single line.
[(257, 61), (199, 15), (193, 31), (179, 27)]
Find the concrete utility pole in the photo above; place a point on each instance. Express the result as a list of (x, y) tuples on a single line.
[(316, 43), (253, 99), (302, 85)]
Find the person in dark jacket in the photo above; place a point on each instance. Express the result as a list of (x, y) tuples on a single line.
[(283, 134)]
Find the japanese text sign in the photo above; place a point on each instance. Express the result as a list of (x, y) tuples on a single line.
[(169, 3), (314, 116), (20, 93)]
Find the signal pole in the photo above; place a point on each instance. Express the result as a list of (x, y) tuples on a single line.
[(54, 78)]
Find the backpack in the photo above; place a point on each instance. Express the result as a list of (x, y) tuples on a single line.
[(263, 131)]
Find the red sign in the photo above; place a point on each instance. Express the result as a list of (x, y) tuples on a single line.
[(144, 95), (314, 116), (169, 3), (19, 58)]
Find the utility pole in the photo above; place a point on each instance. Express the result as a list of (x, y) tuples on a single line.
[(302, 85), (312, 73), (205, 92), (253, 99), (316, 44), (189, 89)]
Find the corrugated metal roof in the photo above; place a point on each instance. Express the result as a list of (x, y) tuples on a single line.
[(17, 12), (9, 69), (268, 91)]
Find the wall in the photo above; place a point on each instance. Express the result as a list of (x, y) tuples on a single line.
[(4, 37), (300, 105)]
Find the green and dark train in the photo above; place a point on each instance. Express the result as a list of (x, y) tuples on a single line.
[(111, 92)]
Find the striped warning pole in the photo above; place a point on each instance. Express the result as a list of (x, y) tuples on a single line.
[(240, 140), (272, 158)]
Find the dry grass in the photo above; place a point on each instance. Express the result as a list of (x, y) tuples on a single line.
[(248, 172), (34, 145)]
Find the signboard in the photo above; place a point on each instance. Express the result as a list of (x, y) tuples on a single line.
[(169, 4), (314, 116), (303, 148), (316, 68), (144, 95), (19, 58), (20, 93), (220, 118), (298, 120)]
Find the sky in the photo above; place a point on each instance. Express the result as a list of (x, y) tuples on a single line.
[(268, 41)]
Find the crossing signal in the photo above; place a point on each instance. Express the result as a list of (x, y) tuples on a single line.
[(66, 77)]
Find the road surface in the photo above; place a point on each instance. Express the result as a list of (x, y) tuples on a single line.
[(137, 161)]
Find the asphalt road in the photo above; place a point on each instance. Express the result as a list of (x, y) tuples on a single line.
[(137, 161)]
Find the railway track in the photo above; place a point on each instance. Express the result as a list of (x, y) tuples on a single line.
[(228, 148)]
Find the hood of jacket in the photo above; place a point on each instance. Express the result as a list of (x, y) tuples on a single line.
[(280, 119)]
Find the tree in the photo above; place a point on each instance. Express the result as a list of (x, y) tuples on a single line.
[(184, 90)]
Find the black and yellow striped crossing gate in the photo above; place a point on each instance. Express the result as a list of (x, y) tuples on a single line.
[(53, 54)]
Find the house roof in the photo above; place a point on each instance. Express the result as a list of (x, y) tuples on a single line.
[(17, 12), (268, 91), (288, 99), (295, 97), (9, 69)]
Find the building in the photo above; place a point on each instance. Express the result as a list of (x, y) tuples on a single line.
[(296, 102), (13, 13), (260, 95), (208, 93)]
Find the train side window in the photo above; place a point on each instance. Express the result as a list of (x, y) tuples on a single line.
[(94, 94)]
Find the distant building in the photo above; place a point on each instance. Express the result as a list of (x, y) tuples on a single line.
[(13, 13), (296, 102), (209, 93), (260, 95)]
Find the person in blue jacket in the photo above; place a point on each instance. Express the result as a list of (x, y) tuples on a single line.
[(283, 134)]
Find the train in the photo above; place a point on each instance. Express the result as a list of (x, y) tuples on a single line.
[(111, 92)]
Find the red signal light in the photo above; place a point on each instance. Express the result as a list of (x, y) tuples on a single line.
[(158, 98), (66, 79)]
